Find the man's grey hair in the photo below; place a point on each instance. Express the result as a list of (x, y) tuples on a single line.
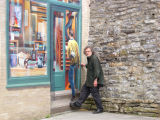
[(90, 47)]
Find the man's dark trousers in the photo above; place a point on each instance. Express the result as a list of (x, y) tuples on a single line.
[(85, 91)]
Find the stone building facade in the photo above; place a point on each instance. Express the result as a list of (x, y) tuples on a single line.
[(27, 103), (126, 36)]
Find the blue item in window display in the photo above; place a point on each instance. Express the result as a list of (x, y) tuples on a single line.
[(40, 47), (40, 62), (13, 59), (33, 53)]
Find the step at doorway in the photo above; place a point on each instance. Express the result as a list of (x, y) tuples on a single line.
[(60, 101)]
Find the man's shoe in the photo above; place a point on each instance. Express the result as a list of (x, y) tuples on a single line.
[(74, 106), (98, 111)]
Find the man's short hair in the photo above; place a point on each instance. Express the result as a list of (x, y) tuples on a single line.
[(90, 47)]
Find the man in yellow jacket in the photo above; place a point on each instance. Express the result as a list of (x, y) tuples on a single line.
[(73, 55)]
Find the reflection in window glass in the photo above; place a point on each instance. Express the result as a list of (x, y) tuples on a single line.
[(28, 38), (72, 48), (58, 40), (71, 25), (71, 1)]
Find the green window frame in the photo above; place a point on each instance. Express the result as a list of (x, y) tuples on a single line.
[(13, 82)]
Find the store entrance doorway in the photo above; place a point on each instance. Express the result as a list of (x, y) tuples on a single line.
[(62, 20)]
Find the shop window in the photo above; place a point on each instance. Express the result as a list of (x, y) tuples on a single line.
[(71, 1), (27, 38)]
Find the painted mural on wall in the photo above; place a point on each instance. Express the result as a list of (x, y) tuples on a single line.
[(28, 42), (72, 48), (70, 60), (27, 39)]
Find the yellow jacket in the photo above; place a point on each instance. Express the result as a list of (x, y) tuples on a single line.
[(73, 52)]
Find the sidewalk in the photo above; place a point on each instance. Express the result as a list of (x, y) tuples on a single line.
[(87, 115)]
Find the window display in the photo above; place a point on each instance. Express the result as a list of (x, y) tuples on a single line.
[(28, 38)]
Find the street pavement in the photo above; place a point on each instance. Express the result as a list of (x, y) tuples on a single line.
[(87, 115)]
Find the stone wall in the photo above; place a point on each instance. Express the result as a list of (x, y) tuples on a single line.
[(126, 106), (126, 36)]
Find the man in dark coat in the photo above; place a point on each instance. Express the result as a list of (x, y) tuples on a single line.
[(93, 82)]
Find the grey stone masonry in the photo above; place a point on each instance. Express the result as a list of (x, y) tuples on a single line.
[(126, 36), (126, 106)]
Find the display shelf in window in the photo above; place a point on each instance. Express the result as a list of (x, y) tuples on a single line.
[(14, 46), (40, 45), (40, 50)]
